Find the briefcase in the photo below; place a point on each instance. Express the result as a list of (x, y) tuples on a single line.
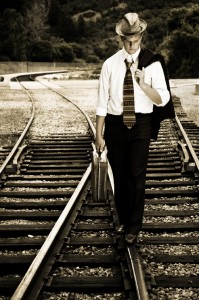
[(99, 173)]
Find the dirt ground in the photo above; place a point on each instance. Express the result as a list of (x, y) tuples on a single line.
[(186, 90)]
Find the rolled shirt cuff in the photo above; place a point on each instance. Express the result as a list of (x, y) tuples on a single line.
[(165, 96), (100, 111)]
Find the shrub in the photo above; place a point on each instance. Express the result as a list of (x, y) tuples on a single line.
[(92, 59), (41, 51), (63, 52)]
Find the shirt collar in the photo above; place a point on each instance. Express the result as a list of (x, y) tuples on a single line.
[(133, 56)]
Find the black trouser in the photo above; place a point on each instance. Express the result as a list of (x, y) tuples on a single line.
[(128, 154)]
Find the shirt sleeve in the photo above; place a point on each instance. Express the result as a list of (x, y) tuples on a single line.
[(158, 82), (103, 91)]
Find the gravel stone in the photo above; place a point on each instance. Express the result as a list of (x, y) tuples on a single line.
[(151, 250), (82, 296), (89, 250), (175, 294), (86, 271)]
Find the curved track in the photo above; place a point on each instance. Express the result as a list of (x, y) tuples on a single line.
[(88, 257), (52, 175)]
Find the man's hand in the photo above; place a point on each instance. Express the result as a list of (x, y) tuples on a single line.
[(100, 144), (147, 89), (139, 76)]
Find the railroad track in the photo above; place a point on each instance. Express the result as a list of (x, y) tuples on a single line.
[(169, 239), (168, 243), (45, 189), (88, 257)]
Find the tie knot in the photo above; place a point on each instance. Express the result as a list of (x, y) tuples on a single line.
[(128, 63)]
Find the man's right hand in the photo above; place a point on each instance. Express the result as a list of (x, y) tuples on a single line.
[(100, 144)]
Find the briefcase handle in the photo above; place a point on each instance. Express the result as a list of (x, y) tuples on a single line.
[(101, 155)]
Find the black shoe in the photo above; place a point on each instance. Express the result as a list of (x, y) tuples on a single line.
[(130, 238)]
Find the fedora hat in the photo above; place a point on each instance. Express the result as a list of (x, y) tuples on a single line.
[(130, 24)]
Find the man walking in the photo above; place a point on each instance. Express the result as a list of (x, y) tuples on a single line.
[(134, 97)]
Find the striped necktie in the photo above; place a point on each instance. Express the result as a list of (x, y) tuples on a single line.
[(128, 97)]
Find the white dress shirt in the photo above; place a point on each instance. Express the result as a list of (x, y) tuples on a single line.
[(110, 92)]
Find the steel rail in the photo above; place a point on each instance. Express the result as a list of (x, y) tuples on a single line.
[(110, 174), (22, 288), (189, 145), (22, 136), (133, 257), (138, 273), (31, 272)]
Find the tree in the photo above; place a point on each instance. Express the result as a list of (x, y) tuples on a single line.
[(54, 13), (180, 47), (36, 20), (13, 40), (81, 26), (182, 52), (62, 52), (184, 18), (41, 51)]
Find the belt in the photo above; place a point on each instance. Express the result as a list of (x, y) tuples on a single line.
[(120, 117)]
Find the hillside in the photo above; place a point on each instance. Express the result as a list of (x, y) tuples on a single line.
[(80, 31)]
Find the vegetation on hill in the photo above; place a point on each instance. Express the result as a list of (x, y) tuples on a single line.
[(84, 31)]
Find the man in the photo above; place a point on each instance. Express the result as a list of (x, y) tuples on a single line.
[(128, 146)]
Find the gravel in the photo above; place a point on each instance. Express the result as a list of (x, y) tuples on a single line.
[(88, 250), (174, 294), (24, 222), (166, 269), (86, 271), (150, 250), (170, 219), (143, 234), (23, 252), (77, 296), (165, 207), (91, 221), (90, 234), (46, 200), (39, 189)]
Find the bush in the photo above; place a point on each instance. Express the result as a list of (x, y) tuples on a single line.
[(78, 51), (4, 58), (41, 51), (63, 53), (181, 52), (92, 59)]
